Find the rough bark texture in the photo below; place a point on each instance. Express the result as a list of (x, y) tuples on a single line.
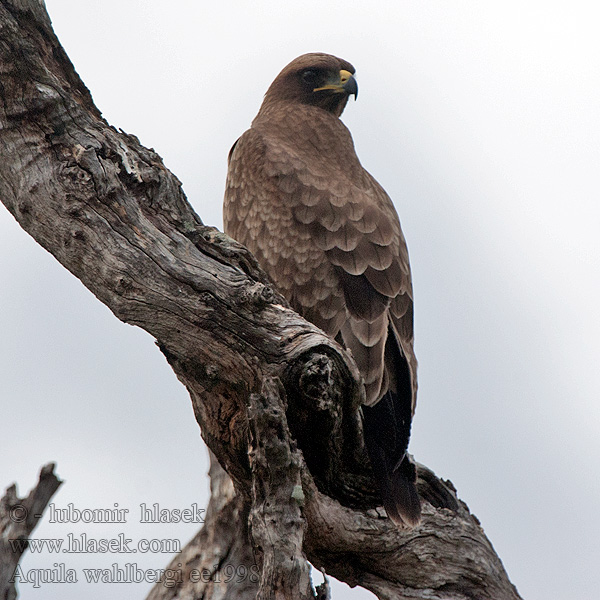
[(276, 400), (218, 562), (276, 519), (18, 518)]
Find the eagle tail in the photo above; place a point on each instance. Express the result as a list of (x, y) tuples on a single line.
[(386, 438), (401, 500)]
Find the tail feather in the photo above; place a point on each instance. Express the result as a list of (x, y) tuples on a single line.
[(386, 437), (400, 498)]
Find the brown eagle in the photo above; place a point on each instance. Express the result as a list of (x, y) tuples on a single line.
[(329, 237)]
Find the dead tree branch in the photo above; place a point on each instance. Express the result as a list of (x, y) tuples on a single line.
[(18, 518), (276, 399)]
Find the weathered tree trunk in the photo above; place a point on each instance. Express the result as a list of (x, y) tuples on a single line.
[(18, 518), (218, 562), (276, 399)]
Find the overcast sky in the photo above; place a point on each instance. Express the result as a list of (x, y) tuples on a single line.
[(481, 120)]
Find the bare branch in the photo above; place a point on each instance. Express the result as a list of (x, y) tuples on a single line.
[(276, 519), (218, 562), (18, 518)]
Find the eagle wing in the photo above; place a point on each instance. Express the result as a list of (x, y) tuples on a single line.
[(332, 243), (328, 235)]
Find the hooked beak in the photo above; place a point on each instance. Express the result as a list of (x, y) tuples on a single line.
[(345, 84)]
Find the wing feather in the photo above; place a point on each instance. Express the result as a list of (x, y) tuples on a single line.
[(329, 237), (332, 241)]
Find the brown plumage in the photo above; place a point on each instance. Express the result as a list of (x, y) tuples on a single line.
[(329, 237)]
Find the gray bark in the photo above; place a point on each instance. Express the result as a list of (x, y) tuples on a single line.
[(18, 518), (276, 399)]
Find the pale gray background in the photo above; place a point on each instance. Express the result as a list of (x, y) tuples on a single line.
[(481, 120)]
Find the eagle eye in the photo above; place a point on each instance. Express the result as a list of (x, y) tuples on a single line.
[(310, 76)]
